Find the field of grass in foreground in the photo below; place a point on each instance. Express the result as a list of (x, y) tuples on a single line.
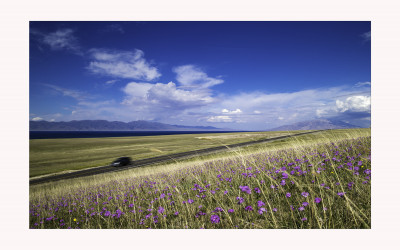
[(48, 156), (325, 184)]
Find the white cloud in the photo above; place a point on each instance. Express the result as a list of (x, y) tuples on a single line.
[(47, 117), (321, 112), (161, 96), (122, 64), (63, 39), (96, 104), (78, 95), (111, 82), (359, 84), (237, 111), (191, 76), (220, 118), (354, 104), (171, 103)]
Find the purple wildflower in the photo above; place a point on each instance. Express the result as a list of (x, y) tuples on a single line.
[(317, 200), (257, 190), (341, 194), (218, 209), (215, 219), (231, 211), (160, 210), (240, 200), (248, 208), (190, 201), (274, 209), (288, 195), (301, 208), (304, 219), (260, 203), (245, 189), (262, 210), (304, 194), (305, 203)]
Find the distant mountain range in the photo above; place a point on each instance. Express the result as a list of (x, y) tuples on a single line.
[(103, 125), (315, 125)]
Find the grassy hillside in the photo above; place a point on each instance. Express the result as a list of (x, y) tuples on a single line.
[(49, 156), (318, 181)]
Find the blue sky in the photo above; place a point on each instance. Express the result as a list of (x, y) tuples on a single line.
[(240, 75)]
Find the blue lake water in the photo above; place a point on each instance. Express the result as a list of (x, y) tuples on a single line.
[(100, 134)]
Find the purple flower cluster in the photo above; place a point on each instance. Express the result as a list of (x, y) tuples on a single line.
[(245, 189)]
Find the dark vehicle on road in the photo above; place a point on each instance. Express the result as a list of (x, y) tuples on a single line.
[(122, 161)]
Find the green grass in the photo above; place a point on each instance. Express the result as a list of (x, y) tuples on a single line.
[(65, 203), (48, 156)]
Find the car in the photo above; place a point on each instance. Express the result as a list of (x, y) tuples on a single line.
[(122, 161)]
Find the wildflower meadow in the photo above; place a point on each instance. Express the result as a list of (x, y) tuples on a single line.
[(317, 186)]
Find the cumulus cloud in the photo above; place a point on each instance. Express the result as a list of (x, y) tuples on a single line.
[(237, 111), (37, 119), (122, 64), (161, 95), (63, 39), (191, 76), (354, 104)]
